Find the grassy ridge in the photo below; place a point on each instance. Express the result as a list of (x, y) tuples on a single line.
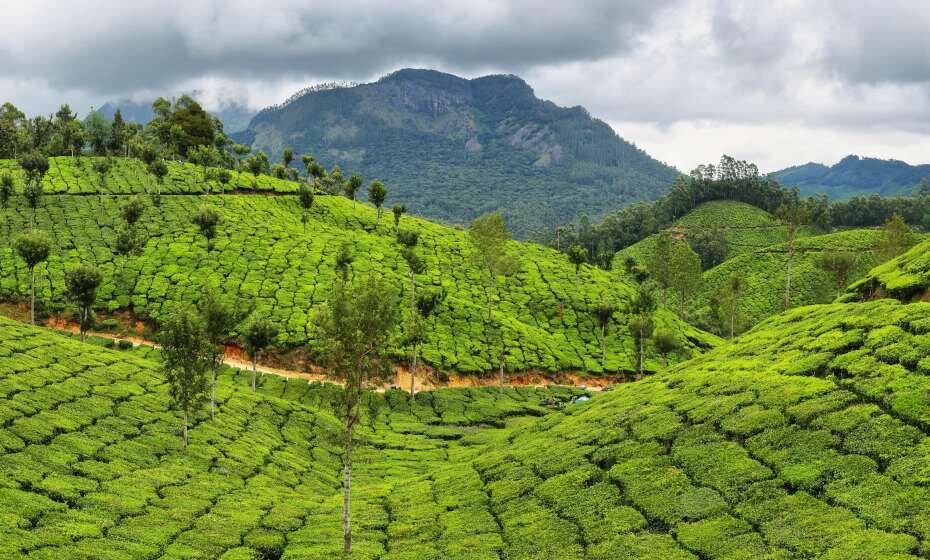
[(262, 256), (905, 277), (805, 438), (68, 175), (91, 465)]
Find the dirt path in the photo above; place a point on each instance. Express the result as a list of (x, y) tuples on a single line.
[(425, 380)]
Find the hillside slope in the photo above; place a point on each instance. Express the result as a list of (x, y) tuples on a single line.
[(453, 149), (803, 439), (92, 468), (906, 277), (263, 257), (855, 176)]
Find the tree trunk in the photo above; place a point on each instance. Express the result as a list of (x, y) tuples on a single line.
[(347, 491), (213, 391), (603, 346), (253, 371), (32, 298), (732, 323), (491, 296), (642, 352), (413, 372), (502, 375), (185, 428), (788, 277), (83, 324)]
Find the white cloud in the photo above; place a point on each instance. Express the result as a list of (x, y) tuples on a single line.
[(782, 82)]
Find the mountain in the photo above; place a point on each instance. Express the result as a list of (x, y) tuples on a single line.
[(234, 116), (855, 175), (452, 148)]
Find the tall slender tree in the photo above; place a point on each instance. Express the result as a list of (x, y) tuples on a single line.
[(641, 321), (604, 315), (377, 192), (398, 210), (185, 359), (577, 256), (685, 273), (82, 283), (354, 328), (305, 197), (793, 215), (258, 334), (352, 186), (206, 220), (34, 248), (489, 238), (218, 319)]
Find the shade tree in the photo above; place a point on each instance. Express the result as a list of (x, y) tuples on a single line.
[(33, 248), (354, 328), (206, 219), (185, 360), (377, 192), (489, 239), (219, 318), (81, 283), (258, 334)]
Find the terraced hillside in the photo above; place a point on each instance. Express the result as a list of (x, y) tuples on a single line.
[(906, 277), (263, 257), (803, 439), (91, 464), (68, 175)]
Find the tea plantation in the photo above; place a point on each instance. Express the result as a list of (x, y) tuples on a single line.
[(262, 256), (804, 438), (906, 277)]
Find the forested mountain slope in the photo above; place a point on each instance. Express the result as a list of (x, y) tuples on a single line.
[(453, 149), (263, 257), (855, 176)]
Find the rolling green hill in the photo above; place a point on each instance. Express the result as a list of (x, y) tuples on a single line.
[(803, 439), (757, 253), (263, 257), (453, 149)]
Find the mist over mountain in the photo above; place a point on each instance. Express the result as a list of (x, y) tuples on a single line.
[(854, 175), (452, 148)]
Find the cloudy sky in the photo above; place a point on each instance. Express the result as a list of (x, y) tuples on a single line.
[(779, 83)]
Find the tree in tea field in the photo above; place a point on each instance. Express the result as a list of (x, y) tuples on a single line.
[(185, 359), (81, 283), (223, 177), (206, 220), (344, 259), (354, 328), (577, 256), (218, 318), (604, 315), (335, 182), (424, 307), (839, 266), (489, 238), (398, 210), (660, 265), (641, 321), (727, 301), (684, 273), (792, 215), (6, 191), (35, 165), (666, 343), (305, 197), (377, 192), (896, 238), (34, 248), (159, 169), (287, 157), (352, 186), (258, 334), (132, 211)]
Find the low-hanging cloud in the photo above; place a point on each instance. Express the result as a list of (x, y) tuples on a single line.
[(669, 69)]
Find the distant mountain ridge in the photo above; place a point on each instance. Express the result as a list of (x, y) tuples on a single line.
[(452, 148), (854, 175)]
